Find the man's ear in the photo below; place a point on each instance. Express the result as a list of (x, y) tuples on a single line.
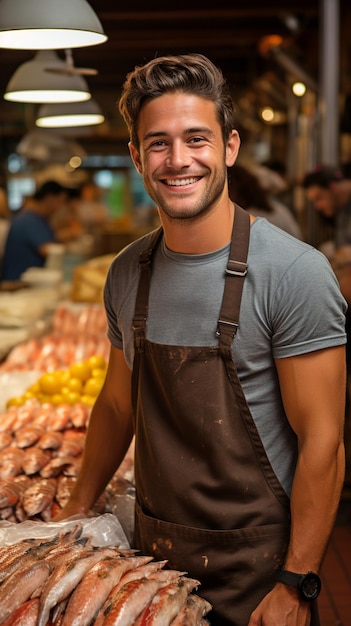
[(232, 148), (135, 155)]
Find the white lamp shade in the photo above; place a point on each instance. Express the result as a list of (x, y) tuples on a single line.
[(48, 24), (31, 82), (69, 115)]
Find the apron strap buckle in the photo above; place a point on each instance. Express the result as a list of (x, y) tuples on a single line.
[(138, 328), (236, 268), (226, 329)]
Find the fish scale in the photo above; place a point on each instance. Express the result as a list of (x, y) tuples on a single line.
[(95, 586), (19, 587), (65, 578)]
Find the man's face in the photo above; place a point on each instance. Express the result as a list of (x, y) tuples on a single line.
[(182, 158), (55, 202), (322, 199)]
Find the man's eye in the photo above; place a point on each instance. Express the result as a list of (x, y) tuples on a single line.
[(196, 139)]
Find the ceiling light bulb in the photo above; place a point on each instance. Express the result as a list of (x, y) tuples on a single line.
[(69, 115), (299, 89), (48, 24), (32, 82)]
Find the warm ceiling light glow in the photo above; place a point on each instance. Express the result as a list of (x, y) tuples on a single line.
[(69, 115), (48, 24), (68, 121), (299, 89), (32, 82), (75, 162), (267, 114)]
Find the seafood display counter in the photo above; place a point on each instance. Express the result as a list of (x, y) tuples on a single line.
[(81, 571)]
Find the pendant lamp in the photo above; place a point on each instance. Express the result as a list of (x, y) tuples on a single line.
[(48, 24), (34, 82), (69, 115)]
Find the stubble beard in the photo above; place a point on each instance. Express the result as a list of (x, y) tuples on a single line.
[(202, 206)]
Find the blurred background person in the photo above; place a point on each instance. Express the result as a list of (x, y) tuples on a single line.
[(5, 217), (92, 212), (329, 192), (31, 233), (246, 190)]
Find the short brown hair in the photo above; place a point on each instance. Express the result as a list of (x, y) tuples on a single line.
[(188, 73), (322, 176)]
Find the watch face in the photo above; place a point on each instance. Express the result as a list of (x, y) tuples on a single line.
[(310, 586)]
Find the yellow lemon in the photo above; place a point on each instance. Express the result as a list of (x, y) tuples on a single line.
[(72, 397), (80, 369), (57, 399), (92, 386), (96, 361), (88, 400), (97, 372), (50, 383), (16, 401), (74, 384)]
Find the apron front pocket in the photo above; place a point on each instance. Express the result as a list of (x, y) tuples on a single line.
[(236, 568)]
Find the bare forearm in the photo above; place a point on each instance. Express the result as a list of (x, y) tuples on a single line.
[(314, 503), (108, 439)]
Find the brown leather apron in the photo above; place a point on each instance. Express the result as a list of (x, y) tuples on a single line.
[(208, 499)]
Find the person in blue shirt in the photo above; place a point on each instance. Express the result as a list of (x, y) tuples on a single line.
[(31, 233)]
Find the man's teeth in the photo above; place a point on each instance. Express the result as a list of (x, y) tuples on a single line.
[(180, 183)]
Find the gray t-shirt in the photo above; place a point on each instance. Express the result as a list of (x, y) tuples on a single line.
[(291, 305)]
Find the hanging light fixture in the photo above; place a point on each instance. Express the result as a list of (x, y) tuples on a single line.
[(48, 24), (37, 81), (73, 114)]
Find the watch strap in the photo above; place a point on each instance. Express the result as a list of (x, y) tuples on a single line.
[(289, 578)]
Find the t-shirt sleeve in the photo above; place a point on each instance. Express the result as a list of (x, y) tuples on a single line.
[(113, 333), (308, 308)]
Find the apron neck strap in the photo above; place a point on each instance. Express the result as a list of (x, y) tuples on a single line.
[(234, 278), (141, 303)]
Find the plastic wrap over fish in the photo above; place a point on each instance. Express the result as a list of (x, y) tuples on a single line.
[(105, 530)]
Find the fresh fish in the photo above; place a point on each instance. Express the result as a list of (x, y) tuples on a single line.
[(7, 420), (19, 587), (64, 579), (167, 603), (130, 601), (10, 493), (35, 551), (72, 444), (34, 459), (7, 513), (43, 415), (193, 612), (57, 465), (6, 439), (14, 550), (10, 462), (39, 496), (65, 485), (60, 420), (152, 570), (25, 415), (80, 415), (25, 615), (28, 435), (93, 589), (50, 440)]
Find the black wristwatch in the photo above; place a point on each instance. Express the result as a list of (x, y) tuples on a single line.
[(308, 585)]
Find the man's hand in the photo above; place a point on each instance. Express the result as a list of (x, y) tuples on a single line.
[(281, 607)]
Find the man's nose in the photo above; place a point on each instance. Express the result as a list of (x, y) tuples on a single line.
[(178, 156)]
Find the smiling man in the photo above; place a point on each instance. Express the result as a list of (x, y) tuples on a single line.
[(238, 420)]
